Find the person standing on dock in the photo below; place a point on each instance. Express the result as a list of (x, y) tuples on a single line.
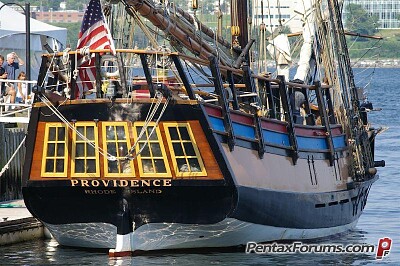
[(3, 75), (22, 92), (11, 67)]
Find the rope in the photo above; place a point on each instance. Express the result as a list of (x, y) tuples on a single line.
[(66, 122), (148, 119), (12, 157), (48, 70), (151, 133), (142, 26), (110, 157), (65, 56), (75, 72)]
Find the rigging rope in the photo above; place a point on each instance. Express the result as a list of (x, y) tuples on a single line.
[(148, 119), (47, 102)]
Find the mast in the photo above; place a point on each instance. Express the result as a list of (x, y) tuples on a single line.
[(239, 19), (185, 36), (202, 27), (242, 23)]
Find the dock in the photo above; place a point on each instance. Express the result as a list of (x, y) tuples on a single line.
[(17, 223)]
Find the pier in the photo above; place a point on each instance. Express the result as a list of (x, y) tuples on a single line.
[(17, 224)]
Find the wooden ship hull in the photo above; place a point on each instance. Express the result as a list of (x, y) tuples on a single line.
[(240, 198), (160, 164)]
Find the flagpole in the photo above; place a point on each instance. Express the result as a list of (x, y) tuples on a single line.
[(28, 41)]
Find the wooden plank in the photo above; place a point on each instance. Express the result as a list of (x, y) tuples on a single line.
[(10, 119), (289, 118), (223, 102), (325, 121), (143, 59), (210, 163), (35, 173)]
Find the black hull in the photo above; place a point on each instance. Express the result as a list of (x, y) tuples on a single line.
[(201, 204), (204, 204), (301, 210)]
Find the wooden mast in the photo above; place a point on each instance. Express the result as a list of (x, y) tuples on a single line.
[(242, 22), (148, 11), (239, 17)]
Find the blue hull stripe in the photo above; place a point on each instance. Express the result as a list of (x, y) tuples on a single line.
[(320, 143), (273, 137), (216, 123), (276, 138), (339, 142), (312, 143), (244, 131)]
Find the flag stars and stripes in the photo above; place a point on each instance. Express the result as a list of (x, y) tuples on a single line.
[(94, 34)]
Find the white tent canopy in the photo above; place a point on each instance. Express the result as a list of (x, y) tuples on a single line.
[(13, 36)]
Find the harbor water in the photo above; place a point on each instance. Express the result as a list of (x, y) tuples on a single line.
[(381, 217)]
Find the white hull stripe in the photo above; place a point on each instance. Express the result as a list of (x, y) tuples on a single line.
[(229, 232)]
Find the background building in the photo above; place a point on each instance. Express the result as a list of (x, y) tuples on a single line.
[(274, 13), (388, 11), (51, 16)]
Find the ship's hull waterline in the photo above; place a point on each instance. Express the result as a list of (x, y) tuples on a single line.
[(227, 233), (244, 214)]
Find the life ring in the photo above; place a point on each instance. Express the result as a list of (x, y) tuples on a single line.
[(106, 62)]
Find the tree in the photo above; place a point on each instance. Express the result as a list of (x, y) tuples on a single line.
[(72, 32), (76, 4), (55, 4), (360, 21), (45, 4)]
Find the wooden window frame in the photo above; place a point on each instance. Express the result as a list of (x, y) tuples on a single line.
[(96, 152), (162, 147), (128, 143), (45, 146), (178, 173)]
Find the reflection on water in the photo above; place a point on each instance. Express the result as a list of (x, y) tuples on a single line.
[(46, 252)]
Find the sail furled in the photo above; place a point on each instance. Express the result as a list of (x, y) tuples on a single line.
[(306, 10), (279, 49), (94, 34)]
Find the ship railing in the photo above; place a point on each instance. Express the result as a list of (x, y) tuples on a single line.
[(261, 96), (18, 112), (248, 91)]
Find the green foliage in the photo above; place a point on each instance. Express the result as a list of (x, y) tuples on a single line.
[(358, 20), (388, 47), (76, 4), (45, 4), (54, 4), (72, 32)]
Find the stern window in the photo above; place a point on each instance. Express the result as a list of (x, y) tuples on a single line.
[(116, 142), (152, 160), (85, 159), (185, 154), (55, 152)]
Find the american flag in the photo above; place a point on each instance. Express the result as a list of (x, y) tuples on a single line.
[(94, 34)]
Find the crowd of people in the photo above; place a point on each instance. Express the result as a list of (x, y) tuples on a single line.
[(9, 67)]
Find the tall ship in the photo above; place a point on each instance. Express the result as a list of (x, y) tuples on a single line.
[(191, 142)]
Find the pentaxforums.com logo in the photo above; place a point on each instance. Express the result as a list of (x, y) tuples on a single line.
[(382, 249)]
